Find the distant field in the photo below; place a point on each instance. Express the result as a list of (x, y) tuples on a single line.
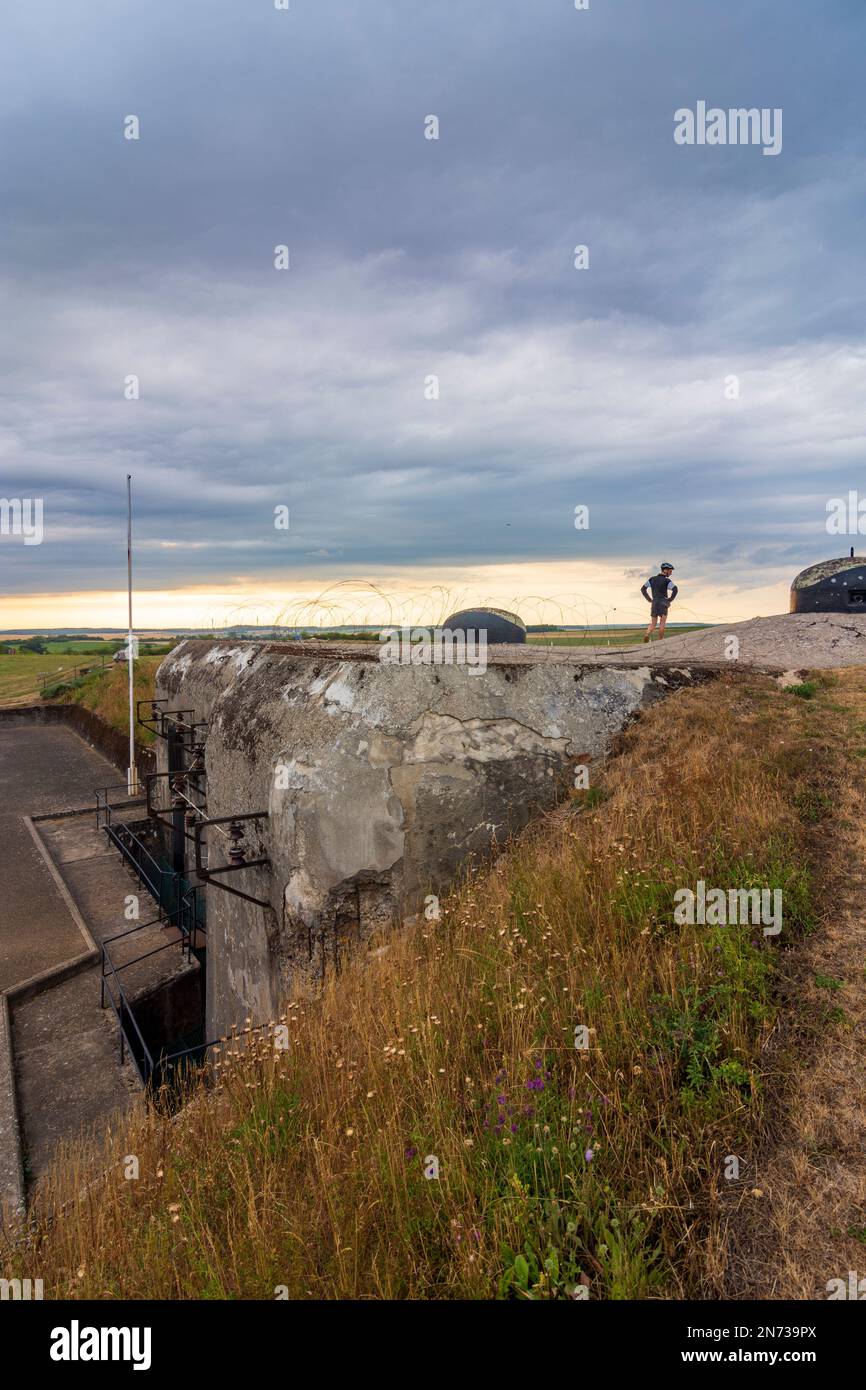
[(617, 637), (20, 683), (82, 646), (19, 674), (85, 647)]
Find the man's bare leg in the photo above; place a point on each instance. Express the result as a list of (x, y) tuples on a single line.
[(662, 620), (650, 629)]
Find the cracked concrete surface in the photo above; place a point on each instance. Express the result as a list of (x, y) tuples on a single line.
[(380, 782), (787, 642)]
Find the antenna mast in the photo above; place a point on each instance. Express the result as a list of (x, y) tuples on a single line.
[(131, 776)]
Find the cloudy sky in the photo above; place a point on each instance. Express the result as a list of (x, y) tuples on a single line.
[(608, 387)]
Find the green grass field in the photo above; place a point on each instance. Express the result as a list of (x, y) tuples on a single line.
[(19, 674), (81, 646), (86, 647)]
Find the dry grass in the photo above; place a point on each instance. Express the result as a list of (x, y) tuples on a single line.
[(810, 1225), (107, 694), (558, 1168)]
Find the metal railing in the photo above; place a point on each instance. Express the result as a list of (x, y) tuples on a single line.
[(179, 904), (130, 1035), (112, 988), (71, 672), (153, 1072), (105, 809), (153, 875), (178, 901), (157, 718)]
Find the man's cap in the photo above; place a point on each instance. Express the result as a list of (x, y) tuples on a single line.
[(665, 565)]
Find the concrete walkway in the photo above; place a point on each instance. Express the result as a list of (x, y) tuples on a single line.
[(64, 1043), (46, 768), (63, 889)]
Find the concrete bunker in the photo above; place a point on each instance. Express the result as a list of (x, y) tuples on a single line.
[(833, 586), (370, 785)]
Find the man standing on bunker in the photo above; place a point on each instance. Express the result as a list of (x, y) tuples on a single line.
[(660, 591)]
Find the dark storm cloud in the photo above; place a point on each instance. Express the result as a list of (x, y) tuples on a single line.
[(414, 257)]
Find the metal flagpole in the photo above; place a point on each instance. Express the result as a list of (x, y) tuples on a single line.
[(131, 779)]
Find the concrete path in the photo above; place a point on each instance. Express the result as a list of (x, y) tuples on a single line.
[(65, 1043), (42, 768), (62, 1074)]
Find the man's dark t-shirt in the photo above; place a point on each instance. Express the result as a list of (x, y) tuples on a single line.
[(660, 591)]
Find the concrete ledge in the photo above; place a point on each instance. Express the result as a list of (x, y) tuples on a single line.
[(91, 950), (87, 810), (11, 1156), (12, 1186)]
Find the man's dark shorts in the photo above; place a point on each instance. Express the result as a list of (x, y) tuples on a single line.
[(660, 609)]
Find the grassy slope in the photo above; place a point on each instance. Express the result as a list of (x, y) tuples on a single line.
[(19, 679), (107, 694), (805, 1222), (558, 1167)]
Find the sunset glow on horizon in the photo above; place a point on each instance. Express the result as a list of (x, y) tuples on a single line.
[(556, 593)]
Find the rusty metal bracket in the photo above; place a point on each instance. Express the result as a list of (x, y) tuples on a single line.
[(161, 814), (157, 717), (213, 875)]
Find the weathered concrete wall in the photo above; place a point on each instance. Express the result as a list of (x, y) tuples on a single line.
[(380, 781)]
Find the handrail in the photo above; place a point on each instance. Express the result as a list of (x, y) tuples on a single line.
[(103, 803), (49, 677), (130, 931), (110, 972), (124, 831), (122, 1009), (125, 1006), (177, 903)]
